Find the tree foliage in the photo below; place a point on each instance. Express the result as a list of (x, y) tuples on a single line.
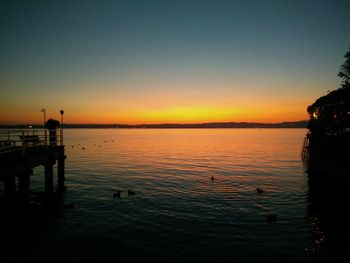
[(52, 124), (344, 72), (330, 114)]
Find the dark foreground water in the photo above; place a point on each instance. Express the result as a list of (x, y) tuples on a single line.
[(178, 214)]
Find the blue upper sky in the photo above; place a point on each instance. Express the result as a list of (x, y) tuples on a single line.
[(68, 53)]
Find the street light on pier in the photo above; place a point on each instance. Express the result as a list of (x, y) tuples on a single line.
[(44, 111), (61, 112)]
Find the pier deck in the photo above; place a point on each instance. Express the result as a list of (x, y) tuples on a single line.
[(23, 150)]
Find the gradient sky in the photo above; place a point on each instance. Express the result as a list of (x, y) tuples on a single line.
[(168, 61)]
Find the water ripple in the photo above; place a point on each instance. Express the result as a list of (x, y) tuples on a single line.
[(177, 209)]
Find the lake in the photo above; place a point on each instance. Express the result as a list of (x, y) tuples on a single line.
[(173, 211)]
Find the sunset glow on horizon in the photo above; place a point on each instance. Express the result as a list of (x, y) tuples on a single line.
[(139, 62), (184, 115)]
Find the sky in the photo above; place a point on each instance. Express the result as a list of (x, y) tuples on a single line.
[(160, 61)]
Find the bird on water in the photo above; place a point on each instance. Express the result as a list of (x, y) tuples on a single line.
[(259, 190)]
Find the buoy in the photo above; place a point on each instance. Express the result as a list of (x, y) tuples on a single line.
[(259, 190), (83, 148)]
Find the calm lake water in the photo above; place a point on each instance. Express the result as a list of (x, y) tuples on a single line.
[(178, 214)]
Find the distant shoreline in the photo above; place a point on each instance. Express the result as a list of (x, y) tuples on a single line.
[(211, 125)]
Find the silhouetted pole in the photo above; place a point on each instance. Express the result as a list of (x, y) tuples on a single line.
[(61, 112), (44, 111), (60, 173), (49, 177), (24, 181)]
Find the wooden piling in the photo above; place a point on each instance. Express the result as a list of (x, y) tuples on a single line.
[(24, 181), (60, 173), (18, 161), (48, 170)]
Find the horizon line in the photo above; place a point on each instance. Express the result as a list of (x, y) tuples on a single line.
[(163, 123)]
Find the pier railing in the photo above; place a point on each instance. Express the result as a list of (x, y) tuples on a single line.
[(16, 139)]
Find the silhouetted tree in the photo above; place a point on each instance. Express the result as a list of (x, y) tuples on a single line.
[(330, 114), (52, 124), (344, 72)]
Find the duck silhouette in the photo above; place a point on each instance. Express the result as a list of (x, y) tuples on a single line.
[(259, 190)]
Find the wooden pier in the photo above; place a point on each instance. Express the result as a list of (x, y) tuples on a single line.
[(23, 150)]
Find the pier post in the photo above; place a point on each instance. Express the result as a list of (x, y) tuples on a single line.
[(60, 173), (10, 185), (49, 176), (24, 181)]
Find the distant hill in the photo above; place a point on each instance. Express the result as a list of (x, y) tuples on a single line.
[(217, 125)]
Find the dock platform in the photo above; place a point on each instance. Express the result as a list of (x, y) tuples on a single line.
[(23, 150)]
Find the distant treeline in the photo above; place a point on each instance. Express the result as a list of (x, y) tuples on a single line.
[(298, 124)]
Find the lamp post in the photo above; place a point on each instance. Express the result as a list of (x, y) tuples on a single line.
[(44, 111), (61, 112)]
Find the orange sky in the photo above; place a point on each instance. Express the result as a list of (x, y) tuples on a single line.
[(165, 100), (178, 107)]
